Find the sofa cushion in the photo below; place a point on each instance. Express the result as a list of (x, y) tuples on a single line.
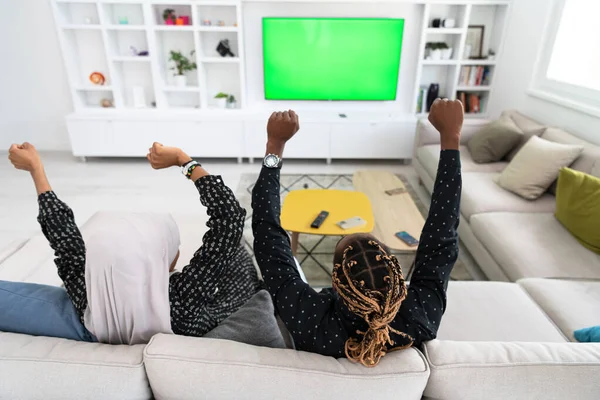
[(494, 140), (534, 245), (524, 123), (485, 311), (49, 368), (571, 304), (181, 367), (481, 194), (517, 370), (429, 157)]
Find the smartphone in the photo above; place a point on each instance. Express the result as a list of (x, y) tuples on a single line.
[(407, 238), (395, 192), (354, 222)]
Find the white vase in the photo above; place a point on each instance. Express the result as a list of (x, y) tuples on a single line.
[(231, 105), (221, 102), (180, 80), (436, 54), (447, 54)]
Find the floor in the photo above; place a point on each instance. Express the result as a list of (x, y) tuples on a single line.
[(131, 184)]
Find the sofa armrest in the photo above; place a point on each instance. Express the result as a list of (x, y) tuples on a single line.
[(427, 134), (512, 370)]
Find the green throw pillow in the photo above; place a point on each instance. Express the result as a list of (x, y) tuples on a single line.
[(494, 140), (578, 206)]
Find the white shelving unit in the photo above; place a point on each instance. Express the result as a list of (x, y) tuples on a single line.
[(493, 15), (98, 36)]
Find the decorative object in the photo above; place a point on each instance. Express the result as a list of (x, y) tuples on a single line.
[(536, 166), (88, 20), (231, 102), (475, 40), (186, 19), (97, 78), (206, 22), (169, 16), (221, 23), (494, 140), (182, 65), (224, 49), (235, 24), (446, 51), (436, 23), (449, 23), (123, 21), (139, 97), (491, 54), (106, 103), (179, 21), (221, 100), (432, 94), (438, 51), (135, 52)]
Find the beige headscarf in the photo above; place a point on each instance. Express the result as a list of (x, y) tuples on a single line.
[(127, 276)]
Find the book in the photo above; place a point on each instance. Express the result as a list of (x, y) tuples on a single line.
[(422, 100)]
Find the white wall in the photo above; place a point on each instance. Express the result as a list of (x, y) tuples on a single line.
[(524, 36), (34, 95), (254, 12)]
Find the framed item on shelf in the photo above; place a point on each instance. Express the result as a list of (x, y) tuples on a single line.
[(97, 78), (475, 41)]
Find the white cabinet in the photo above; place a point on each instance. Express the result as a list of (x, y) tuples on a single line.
[(385, 140), (92, 138), (218, 139), (312, 141)]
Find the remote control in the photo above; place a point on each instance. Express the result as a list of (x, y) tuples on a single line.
[(319, 220)]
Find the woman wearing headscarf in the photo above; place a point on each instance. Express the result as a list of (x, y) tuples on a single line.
[(123, 289), (370, 311)]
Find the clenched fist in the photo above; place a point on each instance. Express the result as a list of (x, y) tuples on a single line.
[(282, 126), (25, 157), (164, 157), (447, 117)]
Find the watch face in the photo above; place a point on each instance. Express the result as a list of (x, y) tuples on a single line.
[(271, 161)]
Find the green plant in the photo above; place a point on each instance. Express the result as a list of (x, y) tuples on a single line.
[(169, 14), (442, 45), (182, 63), (221, 95), (231, 99)]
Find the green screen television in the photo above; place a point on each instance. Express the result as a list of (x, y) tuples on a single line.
[(331, 58)]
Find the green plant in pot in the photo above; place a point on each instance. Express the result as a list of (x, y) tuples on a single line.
[(169, 16), (182, 65), (221, 99), (231, 102)]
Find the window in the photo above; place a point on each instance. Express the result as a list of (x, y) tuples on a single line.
[(569, 63)]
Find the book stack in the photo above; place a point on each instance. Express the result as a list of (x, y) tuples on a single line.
[(474, 76), (471, 102), (422, 100)]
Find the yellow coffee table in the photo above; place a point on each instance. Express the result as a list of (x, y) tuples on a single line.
[(301, 207)]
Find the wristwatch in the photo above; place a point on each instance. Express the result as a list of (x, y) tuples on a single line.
[(272, 161), (189, 167)]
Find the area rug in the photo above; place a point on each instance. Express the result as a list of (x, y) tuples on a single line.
[(315, 252)]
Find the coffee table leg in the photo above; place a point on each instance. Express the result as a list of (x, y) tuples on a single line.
[(295, 237)]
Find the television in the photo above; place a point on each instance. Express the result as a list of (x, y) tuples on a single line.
[(331, 58)]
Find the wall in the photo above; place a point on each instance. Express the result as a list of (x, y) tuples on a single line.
[(35, 97), (254, 12), (524, 36)]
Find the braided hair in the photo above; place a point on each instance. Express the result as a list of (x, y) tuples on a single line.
[(371, 284)]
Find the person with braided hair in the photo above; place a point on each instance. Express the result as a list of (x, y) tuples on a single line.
[(370, 310)]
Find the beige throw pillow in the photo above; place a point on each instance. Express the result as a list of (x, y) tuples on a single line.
[(536, 166), (524, 139), (494, 140)]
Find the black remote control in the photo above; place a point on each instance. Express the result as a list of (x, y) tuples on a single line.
[(319, 220)]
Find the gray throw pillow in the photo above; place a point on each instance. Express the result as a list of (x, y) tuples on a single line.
[(494, 140), (253, 324), (524, 139)]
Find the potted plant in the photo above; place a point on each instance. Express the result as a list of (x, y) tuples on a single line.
[(182, 65), (231, 103), (435, 53), (445, 50), (169, 16), (221, 99)]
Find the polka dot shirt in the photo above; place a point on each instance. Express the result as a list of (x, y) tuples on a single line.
[(320, 322)]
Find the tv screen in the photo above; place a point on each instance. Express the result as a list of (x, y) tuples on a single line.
[(331, 58)]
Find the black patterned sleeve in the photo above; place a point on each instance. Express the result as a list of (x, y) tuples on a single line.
[(191, 289), (59, 227), (425, 303)]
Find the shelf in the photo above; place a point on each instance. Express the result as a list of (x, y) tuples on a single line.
[(478, 62), (83, 27), (131, 58), (174, 28), (224, 60), (125, 27), (445, 31), (440, 62), (473, 88), (218, 29), (181, 89), (96, 88)]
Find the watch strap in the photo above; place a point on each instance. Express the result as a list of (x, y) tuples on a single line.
[(189, 167)]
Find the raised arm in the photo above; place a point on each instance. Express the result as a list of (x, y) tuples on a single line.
[(191, 289), (58, 226), (438, 248)]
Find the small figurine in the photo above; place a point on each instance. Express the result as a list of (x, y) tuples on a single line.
[(221, 23), (97, 78), (206, 22), (106, 103)]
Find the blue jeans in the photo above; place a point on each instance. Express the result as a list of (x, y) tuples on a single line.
[(40, 310)]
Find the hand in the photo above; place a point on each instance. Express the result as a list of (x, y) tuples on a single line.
[(282, 126), (447, 117), (25, 157), (161, 157)]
